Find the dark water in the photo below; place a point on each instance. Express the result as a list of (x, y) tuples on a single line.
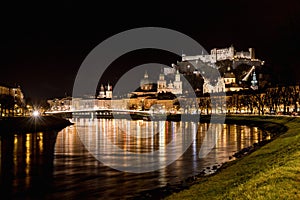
[(53, 165)]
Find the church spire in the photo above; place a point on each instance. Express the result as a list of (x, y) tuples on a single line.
[(254, 82), (102, 87), (146, 75), (177, 76)]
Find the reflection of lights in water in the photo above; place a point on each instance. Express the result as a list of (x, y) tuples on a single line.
[(174, 128), (255, 136), (222, 138), (27, 145), (194, 144), (27, 158), (15, 145), (15, 139), (162, 176), (116, 129), (247, 138), (138, 129), (148, 141), (162, 132), (15, 151), (128, 126), (40, 141), (235, 135), (97, 134)]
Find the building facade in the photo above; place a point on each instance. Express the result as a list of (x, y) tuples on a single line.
[(105, 92), (219, 86), (12, 102), (174, 87)]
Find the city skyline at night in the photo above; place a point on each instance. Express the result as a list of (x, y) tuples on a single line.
[(150, 100)]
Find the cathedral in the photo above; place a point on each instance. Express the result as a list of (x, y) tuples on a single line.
[(219, 86), (145, 83), (105, 92), (174, 87), (163, 85)]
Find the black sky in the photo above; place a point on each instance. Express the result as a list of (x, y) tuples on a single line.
[(42, 45)]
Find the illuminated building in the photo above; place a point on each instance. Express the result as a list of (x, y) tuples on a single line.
[(105, 92), (174, 87), (11, 101), (222, 54)]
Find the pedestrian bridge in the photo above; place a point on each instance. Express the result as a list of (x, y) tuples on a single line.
[(100, 110), (107, 113)]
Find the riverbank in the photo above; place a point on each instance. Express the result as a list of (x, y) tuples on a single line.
[(266, 170), (32, 124), (270, 172)]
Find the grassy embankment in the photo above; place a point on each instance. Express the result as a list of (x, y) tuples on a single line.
[(271, 172)]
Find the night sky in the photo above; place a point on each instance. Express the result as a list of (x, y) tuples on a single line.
[(42, 45)]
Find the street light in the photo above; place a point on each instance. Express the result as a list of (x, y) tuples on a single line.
[(36, 113)]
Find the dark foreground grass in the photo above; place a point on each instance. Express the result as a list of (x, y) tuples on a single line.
[(271, 172)]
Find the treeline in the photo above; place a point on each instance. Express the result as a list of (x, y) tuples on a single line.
[(283, 99)]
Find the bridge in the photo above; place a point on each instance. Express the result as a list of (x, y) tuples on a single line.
[(102, 112)]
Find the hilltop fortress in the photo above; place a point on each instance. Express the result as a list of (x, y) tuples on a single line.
[(222, 54)]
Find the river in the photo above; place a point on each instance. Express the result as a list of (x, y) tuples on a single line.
[(55, 165)]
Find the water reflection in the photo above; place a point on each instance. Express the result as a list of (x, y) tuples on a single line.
[(136, 146), (26, 163), (51, 165)]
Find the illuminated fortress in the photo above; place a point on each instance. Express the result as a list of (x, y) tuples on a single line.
[(221, 54)]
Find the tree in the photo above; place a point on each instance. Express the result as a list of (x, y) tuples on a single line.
[(7, 104), (295, 96), (285, 97), (273, 98), (260, 99)]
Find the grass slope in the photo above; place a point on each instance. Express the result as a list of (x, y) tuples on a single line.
[(271, 172)]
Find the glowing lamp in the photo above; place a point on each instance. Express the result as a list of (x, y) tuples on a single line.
[(35, 113)]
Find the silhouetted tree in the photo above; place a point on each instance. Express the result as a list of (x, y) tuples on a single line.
[(7, 104)]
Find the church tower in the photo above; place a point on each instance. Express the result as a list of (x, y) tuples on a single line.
[(177, 84), (109, 91), (254, 82), (145, 83), (161, 83), (102, 92)]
